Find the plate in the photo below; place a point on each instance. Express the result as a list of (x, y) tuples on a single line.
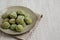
[(27, 11)]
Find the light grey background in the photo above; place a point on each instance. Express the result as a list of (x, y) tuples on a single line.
[(49, 26)]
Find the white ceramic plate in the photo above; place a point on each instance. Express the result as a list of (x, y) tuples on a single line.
[(27, 11)]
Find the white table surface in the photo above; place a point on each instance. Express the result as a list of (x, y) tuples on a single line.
[(49, 26)]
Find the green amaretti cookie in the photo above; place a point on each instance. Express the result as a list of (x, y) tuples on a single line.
[(13, 15), (13, 26), (20, 20), (20, 12), (19, 28), (5, 25), (12, 21), (5, 15), (6, 20), (28, 20)]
